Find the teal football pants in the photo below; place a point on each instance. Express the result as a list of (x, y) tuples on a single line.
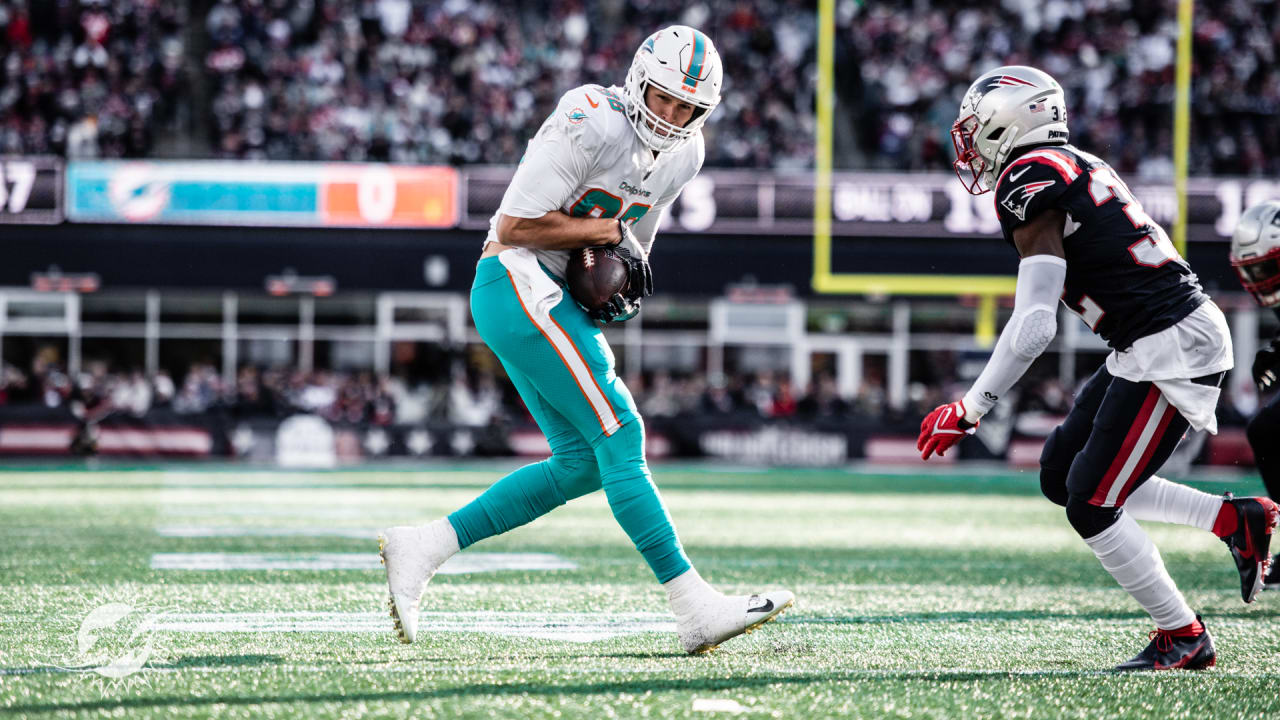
[(563, 369)]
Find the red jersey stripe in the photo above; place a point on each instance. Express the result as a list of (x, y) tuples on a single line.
[(1060, 161)]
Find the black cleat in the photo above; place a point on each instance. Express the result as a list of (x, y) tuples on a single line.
[(1272, 580), (1169, 652), (1250, 544)]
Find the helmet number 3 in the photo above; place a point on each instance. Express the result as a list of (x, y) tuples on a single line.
[(1155, 249)]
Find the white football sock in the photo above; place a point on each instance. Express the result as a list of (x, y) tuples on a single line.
[(1159, 500), (1133, 560), (439, 539), (689, 594)]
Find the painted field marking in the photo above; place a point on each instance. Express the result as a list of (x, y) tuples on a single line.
[(180, 511), (457, 565), (416, 668), (717, 705), (566, 627), (223, 531)]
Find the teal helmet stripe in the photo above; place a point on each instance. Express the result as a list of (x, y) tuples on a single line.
[(696, 58)]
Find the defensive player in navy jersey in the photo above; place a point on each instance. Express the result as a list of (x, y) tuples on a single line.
[(1086, 241), (1255, 255)]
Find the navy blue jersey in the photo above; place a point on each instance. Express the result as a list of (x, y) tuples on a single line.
[(1124, 277)]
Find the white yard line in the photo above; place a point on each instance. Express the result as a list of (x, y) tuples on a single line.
[(224, 531), (457, 565), (184, 511), (565, 627), (463, 668)]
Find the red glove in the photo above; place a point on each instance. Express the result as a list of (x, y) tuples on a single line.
[(942, 428)]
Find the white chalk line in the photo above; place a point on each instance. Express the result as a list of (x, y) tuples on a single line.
[(457, 565), (565, 627), (461, 667), (228, 531)]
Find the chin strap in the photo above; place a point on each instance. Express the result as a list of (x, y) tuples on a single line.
[(1002, 155)]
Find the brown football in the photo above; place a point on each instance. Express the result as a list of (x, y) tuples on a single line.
[(594, 275)]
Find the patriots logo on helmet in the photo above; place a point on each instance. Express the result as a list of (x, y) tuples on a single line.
[(1008, 81), (973, 97), (1019, 198)]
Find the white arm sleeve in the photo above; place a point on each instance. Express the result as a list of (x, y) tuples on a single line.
[(1028, 333), (553, 167)]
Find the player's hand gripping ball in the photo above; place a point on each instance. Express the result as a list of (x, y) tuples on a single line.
[(608, 282), (597, 276)]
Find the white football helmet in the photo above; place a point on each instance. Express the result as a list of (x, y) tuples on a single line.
[(684, 64), (1006, 108), (1255, 252)]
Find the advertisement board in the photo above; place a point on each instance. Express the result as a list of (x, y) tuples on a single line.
[(30, 190), (262, 194), (881, 204)]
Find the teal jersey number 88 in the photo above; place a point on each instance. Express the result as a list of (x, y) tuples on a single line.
[(599, 203)]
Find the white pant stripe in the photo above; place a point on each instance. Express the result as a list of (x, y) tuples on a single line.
[(1139, 449), (577, 367)]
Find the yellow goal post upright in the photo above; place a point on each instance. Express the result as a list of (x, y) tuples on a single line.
[(987, 288), (1182, 122)]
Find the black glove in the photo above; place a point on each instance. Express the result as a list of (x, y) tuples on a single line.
[(1265, 364), (639, 275), (625, 304), (618, 309)]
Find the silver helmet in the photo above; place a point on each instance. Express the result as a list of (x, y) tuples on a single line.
[(1007, 108), (1255, 252)]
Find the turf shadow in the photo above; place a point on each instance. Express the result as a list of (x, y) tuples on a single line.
[(212, 661), (641, 686)]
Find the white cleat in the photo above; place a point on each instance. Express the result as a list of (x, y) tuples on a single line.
[(729, 616), (411, 556)]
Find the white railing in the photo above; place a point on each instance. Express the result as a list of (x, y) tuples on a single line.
[(443, 318)]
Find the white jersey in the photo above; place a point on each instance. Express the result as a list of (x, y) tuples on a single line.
[(587, 161)]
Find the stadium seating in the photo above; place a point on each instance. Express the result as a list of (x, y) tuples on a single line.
[(468, 81)]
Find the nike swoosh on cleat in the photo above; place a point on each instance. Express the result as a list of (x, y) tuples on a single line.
[(1182, 661), (766, 607)]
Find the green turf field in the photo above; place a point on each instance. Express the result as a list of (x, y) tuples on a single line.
[(949, 595)]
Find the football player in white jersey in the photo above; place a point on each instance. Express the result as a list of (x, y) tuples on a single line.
[(600, 172)]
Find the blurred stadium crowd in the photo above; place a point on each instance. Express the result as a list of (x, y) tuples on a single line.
[(465, 396), (468, 394), (468, 81), (90, 78)]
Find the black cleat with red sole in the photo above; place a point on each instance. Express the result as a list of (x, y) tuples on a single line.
[(1173, 652), (1250, 544)]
